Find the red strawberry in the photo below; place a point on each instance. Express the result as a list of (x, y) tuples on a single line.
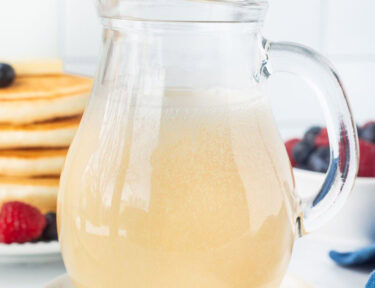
[(20, 223), (322, 139), (367, 159), (289, 147)]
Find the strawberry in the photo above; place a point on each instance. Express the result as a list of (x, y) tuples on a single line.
[(289, 148), (20, 223), (322, 139), (367, 159)]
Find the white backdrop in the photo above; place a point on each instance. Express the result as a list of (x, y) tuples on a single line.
[(344, 30)]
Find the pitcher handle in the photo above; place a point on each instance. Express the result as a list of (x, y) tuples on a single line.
[(321, 76)]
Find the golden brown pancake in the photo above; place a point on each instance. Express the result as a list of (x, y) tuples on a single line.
[(55, 133), (38, 192), (45, 86), (35, 98), (32, 162)]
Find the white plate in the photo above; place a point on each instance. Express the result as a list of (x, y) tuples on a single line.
[(289, 282), (30, 252)]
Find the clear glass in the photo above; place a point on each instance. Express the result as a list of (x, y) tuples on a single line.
[(177, 176)]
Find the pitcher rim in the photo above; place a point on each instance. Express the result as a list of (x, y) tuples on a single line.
[(238, 11)]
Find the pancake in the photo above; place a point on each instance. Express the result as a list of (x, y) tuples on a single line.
[(45, 87), (56, 133), (38, 192), (35, 98), (32, 162)]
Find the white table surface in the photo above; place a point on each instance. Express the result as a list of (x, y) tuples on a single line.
[(309, 262)]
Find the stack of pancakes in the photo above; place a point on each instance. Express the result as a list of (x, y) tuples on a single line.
[(39, 115)]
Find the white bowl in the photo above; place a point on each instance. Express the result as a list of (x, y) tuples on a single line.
[(356, 221)]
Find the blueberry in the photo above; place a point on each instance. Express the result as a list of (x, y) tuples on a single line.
[(359, 131), (311, 134), (7, 75), (302, 166), (301, 152), (368, 133), (319, 160), (50, 232)]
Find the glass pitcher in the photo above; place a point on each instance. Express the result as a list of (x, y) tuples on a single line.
[(177, 176)]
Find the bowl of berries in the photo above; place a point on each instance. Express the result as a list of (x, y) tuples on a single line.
[(310, 158)]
